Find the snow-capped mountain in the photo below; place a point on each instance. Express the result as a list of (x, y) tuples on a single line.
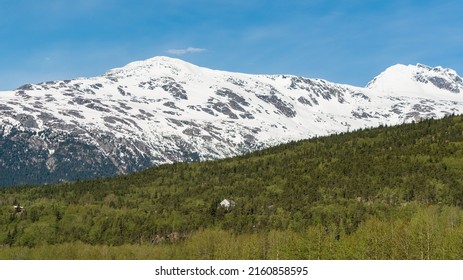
[(165, 110)]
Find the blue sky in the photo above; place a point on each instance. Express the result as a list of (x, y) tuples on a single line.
[(341, 41)]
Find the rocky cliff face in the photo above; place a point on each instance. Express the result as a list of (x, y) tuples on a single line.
[(165, 110)]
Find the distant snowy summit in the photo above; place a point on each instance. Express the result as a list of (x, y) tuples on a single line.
[(165, 110), (418, 80)]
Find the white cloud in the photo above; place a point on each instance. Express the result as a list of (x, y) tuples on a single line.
[(185, 51)]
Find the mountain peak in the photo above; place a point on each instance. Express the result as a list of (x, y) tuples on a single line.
[(158, 61), (158, 65), (417, 79)]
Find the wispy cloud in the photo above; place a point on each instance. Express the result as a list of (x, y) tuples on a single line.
[(185, 51)]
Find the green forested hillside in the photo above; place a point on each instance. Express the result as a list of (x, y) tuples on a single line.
[(383, 193)]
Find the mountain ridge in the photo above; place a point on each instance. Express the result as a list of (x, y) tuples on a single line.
[(164, 110)]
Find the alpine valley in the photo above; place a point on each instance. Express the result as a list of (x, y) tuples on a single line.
[(165, 110)]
